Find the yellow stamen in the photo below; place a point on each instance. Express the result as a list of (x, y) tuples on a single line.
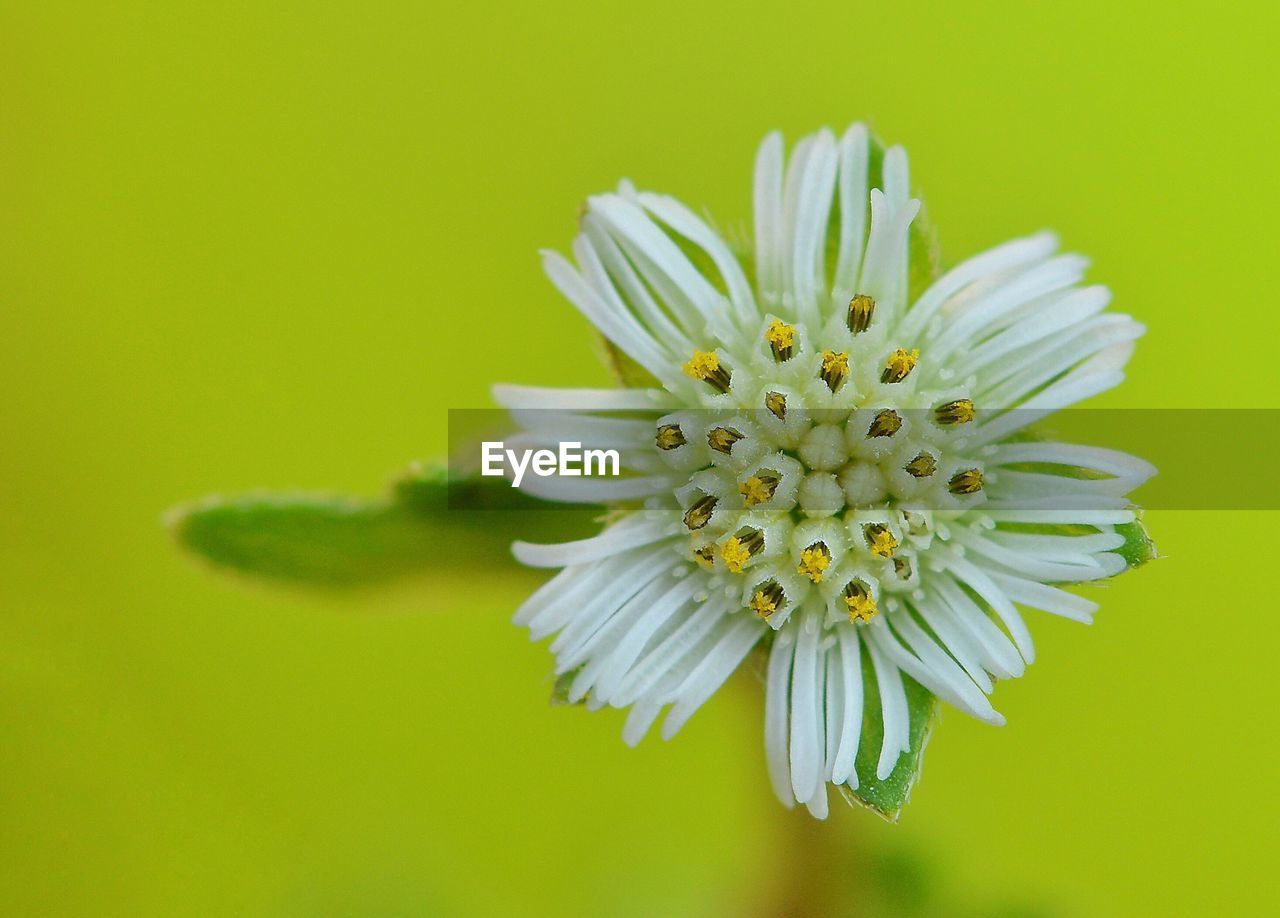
[(699, 514), (781, 338), (814, 561), (721, 439), (768, 599), (670, 436), (861, 308), (835, 368), (886, 423), (960, 411), (776, 402), (740, 549), (879, 539), (705, 365), (967, 482), (900, 363), (705, 556), (759, 488), (857, 598), (922, 466)]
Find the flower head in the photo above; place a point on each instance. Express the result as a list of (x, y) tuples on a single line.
[(829, 463)]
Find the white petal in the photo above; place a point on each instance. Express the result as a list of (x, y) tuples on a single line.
[(985, 267), (768, 215), (537, 397), (813, 210), (615, 278), (851, 728), (893, 705), (620, 328), (653, 672), (592, 490), (621, 659), (806, 713), (1047, 598), (596, 610), (981, 584), (777, 714), (999, 655), (917, 654), (687, 224), (853, 210), (640, 528), (711, 673)]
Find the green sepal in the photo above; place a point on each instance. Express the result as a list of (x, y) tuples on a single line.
[(888, 797), (428, 524), (1138, 548), (560, 690)]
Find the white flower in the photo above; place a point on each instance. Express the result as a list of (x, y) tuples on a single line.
[(826, 466)]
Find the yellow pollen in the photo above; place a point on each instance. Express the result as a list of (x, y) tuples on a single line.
[(706, 366), (758, 488), (922, 466), (814, 560), (735, 554), (967, 482), (886, 423), (776, 402), (702, 364), (960, 411), (862, 608), (699, 514), (670, 436), (900, 363), (705, 556), (780, 334), (861, 308), (721, 439), (764, 604), (835, 367), (880, 540)]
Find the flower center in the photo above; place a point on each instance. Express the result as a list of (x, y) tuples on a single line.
[(820, 463)]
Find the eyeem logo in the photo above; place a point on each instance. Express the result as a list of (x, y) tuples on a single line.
[(570, 460)]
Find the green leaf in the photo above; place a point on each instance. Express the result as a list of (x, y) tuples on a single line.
[(324, 541), (428, 523), (888, 797)]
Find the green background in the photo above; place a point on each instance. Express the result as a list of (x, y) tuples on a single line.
[(251, 245)]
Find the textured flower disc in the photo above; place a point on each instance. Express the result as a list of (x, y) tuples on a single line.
[(823, 464)]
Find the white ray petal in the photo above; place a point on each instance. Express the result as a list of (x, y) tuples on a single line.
[(806, 713), (1046, 598), (711, 673), (768, 216), (853, 194), (894, 711), (843, 771), (630, 532), (777, 714), (620, 328), (977, 580), (542, 398), (690, 226), (983, 268)]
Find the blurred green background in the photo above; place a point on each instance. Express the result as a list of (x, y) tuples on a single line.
[(269, 245)]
